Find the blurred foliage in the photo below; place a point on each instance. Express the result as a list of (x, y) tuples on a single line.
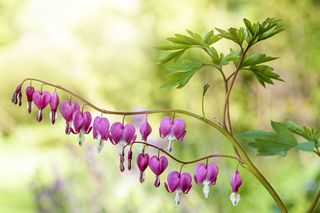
[(104, 51)]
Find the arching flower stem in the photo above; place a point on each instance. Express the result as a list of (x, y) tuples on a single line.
[(246, 162)]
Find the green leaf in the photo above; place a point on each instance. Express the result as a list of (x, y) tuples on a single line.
[(172, 47), (234, 34), (284, 135), (307, 146), (181, 73), (251, 135), (270, 146), (266, 143), (269, 143), (210, 38), (249, 26), (195, 36), (256, 58), (269, 28), (182, 39), (296, 129), (264, 74), (215, 56), (168, 56), (234, 55), (317, 136)]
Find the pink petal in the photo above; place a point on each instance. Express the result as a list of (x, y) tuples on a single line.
[(173, 180), (165, 127), (212, 173), (129, 133), (116, 132), (145, 130), (185, 182), (142, 161), (54, 102), (78, 121), (178, 129), (200, 172)]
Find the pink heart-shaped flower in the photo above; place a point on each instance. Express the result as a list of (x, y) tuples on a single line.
[(41, 99), (67, 109)]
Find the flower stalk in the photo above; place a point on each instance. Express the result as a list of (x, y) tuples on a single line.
[(243, 158)]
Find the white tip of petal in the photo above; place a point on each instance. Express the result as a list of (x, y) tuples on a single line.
[(235, 198), (50, 116), (206, 190), (100, 145), (169, 148), (177, 198), (81, 138)]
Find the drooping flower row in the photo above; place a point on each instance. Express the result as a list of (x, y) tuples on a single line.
[(181, 182), (80, 123)]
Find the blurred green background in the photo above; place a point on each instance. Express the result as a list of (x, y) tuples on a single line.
[(104, 51)]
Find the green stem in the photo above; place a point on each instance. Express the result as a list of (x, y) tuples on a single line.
[(243, 156), (188, 162), (314, 203)]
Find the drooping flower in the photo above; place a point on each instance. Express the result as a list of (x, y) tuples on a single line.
[(206, 175), (29, 93), (17, 95), (129, 159), (145, 129), (235, 183), (142, 163), (100, 130), (173, 129), (41, 100), (121, 164), (157, 166), (54, 103), (123, 134), (81, 125), (177, 182), (67, 108)]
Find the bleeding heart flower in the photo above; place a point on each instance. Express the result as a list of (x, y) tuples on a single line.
[(81, 125), (178, 183), (29, 94), (235, 183), (17, 95), (67, 109), (54, 103), (145, 130), (41, 100), (123, 134), (129, 158), (142, 163), (206, 175), (173, 129), (157, 166), (100, 130)]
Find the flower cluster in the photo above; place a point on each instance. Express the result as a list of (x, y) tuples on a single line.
[(79, 122)]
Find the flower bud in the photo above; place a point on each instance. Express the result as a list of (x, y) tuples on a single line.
[(129, 159)]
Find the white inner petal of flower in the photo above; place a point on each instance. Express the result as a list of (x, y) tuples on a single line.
[(235, 198), (171, 138), (50, 116), (122, 142), (206, 188), (177, 197), (81, 138), (99, 143), (39, 113)]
